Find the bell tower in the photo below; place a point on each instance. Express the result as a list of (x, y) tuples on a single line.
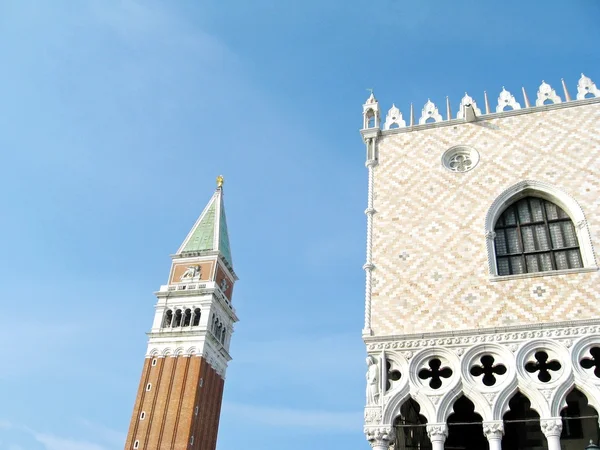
[(179, 397)]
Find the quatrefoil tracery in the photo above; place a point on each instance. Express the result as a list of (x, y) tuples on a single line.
[(392, 375), (435, 373), (488, 370), (543, 366), (594, 361)]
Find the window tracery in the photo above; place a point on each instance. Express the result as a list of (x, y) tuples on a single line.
[(535, 235)]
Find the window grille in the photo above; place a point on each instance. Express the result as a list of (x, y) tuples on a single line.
[(535, 235)]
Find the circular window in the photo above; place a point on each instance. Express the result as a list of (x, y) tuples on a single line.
[(460, 158)]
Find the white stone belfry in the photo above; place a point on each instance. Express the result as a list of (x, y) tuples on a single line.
[(430, 111), (394, 117), (371, 118), (544, 93), (466, 101), (585, 87), (506, 99)]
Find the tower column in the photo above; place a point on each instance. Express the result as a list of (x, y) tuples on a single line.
[(552, 428), (437, 432), (380, 438), (493, 431)]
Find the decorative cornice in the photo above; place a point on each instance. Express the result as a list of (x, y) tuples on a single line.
[(473, 336), (491, 116)]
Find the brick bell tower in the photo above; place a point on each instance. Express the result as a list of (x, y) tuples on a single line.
[(178, 402)]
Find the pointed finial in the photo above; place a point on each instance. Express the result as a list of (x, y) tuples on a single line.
[(487, 103), (370, 90), (527, 105), (564, 85), (220, 181), (448, 112), (412, 115)]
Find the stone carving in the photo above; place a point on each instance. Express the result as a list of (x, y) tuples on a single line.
[(460, 158), (490, 235), (191, 273), (430, 111), (586, 86), (378, 434), (394, 117), (437, 431), (545, 92), (373, 416), (224, 284), (509, 337), (493, 429), (372, 381), (467, 100), (552, 426), (507, 99)]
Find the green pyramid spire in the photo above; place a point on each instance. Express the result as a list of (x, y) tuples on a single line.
[(209, 233)]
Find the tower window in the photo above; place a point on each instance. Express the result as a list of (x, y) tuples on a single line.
[(197, 315), (177, 320), (168, 318), (187, 318), (148, 386), (201, 381), (196, 411), (136, 444), (143, 415), (192, 440), (153, 362), (535, 235)]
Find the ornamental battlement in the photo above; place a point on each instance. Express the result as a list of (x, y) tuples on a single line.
[(468, 111)]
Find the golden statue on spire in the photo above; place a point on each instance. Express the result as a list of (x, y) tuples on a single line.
[(220, 181)]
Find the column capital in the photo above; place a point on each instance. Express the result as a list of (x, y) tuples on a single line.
[(493, 429), (551, 426), (437, 431), (379, 437)]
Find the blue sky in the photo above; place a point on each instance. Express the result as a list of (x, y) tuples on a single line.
[(116, 117)]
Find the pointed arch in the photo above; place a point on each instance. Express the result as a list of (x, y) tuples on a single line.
[(547, 192), (446, 407), (535, 397), (392, 407), (592, 393)]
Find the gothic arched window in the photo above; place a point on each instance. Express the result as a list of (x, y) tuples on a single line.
[(535, 235)]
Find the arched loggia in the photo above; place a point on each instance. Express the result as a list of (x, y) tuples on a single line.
[(411, 433), (465, 428), (522, 429), (580, 422)]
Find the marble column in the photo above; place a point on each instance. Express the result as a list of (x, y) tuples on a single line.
[(437, 432), (493, 431), (552, 428), (381, 437)]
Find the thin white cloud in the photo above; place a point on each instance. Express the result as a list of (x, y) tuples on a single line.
[(107, 435), (59, 443), (53, 442), (330, 421)]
